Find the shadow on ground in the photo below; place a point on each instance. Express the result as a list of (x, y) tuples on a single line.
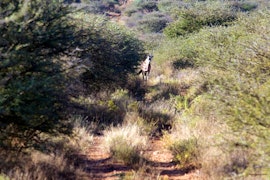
[(107, 169)]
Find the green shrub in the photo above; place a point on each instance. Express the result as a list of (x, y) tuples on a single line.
[(185, 152), (130, 10), (193, 18), (101, 6), (179, 102), (34, 37), (169, 6), (245, 6), (147, 6), (241, 86), (110, 53), (143, 6), (234, 64), (178, 53), (182, 27), (153, 22), (133, 20)]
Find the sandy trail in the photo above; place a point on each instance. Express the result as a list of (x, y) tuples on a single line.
[(158, 165)]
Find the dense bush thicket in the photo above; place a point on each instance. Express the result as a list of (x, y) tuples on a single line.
[(195, 16), (44, 46), (153, 22), (218, 81), (145, 17), (180, 18), (97, 7), (234, 61), (102, 6), (110, 53), (245, 5), (33, 37), (168, 6), (141, 6), (244, 90)]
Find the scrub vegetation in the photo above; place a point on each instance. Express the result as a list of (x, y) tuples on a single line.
[(68, 76)]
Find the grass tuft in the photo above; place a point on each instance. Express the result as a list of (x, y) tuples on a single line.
[(125, 143)]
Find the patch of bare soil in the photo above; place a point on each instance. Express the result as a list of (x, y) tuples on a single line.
[(158, 165)]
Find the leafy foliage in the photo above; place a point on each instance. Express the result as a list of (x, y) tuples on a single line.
[(198, 15), (234, 64), (143, 6), (217, 56), (245, 6), (185, 152), (110, 53), (97, 7), (168, 6), (241, 83), (33, 36), (153, 22)]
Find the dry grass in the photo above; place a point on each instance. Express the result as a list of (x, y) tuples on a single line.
[(126, 143), (82, 133), (56, 158), (146, 127), (42, 166), (194, 120)]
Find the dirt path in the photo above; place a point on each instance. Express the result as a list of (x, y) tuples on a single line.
[(159, 165)]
